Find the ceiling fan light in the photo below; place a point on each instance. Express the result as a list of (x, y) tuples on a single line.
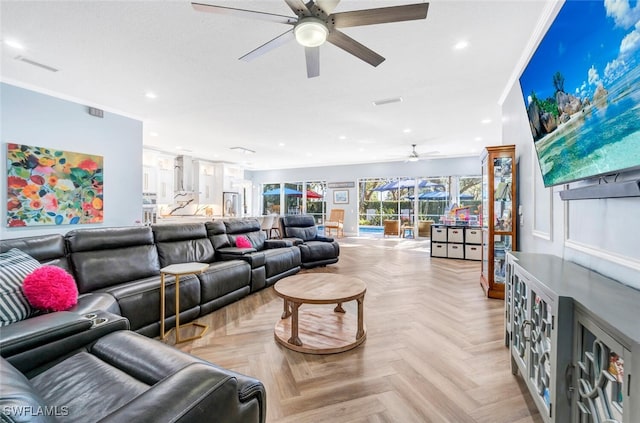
[(311, 32), (413, 159)]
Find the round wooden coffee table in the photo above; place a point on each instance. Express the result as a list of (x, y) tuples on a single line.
[(316, 330)]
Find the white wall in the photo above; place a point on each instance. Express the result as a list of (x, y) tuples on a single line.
[(40, 120), (599, 234), (351, 173)]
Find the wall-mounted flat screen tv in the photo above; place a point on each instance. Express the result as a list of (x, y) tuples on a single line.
[(582, 91)]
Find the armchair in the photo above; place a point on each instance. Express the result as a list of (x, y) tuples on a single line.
[(391, 227), (315, 250), (125, 377), (335, 221)]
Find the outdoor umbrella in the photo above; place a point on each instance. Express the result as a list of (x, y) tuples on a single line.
[(441, 195), (406, 183), (313, 194), (287, 191)]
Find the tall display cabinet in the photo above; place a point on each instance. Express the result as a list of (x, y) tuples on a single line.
[(498, 223)]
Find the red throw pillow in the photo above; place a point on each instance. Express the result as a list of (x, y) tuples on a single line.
[(50, 288), (243, 242)]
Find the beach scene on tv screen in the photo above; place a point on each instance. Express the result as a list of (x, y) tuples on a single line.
[(582, 91)]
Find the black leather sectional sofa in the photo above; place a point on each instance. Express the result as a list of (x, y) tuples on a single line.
[(117, 271)]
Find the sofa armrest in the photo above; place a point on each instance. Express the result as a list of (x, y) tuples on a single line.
[(277, 243), (235, 251), (294, 241), (39, 330), (250, 255), (29, 361), (196, 393), (323, 238)]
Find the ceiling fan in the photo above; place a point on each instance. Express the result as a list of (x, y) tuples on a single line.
[(414, 156), (315, 23)]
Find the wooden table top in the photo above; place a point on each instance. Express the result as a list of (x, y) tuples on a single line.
[(320, 288)]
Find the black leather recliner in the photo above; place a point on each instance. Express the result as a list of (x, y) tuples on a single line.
[(270, 259), (315, 250), (126, 377)]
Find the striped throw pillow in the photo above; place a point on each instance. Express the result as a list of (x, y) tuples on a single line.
[(15, 265)]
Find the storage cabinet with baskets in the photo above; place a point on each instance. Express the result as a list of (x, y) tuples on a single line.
[(460, 242)]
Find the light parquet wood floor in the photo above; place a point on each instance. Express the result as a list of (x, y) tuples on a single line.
[(434, 350)]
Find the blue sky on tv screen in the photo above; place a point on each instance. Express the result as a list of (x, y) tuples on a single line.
[(590, 42)]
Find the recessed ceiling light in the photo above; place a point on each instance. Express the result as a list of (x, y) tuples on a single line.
[(461, 45), (15, 44), (485, 121), (342, 137), (153, 134), (407, 130), (151, 95), (281, 144)]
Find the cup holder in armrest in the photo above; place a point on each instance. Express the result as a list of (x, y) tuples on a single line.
[(99, 321), (91, 316)]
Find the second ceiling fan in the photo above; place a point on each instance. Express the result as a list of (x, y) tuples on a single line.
[(315, 23)]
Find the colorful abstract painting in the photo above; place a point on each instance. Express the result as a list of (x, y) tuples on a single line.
[(52, 187)]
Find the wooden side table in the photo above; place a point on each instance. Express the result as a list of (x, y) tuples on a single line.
[(177, 270), (406, 228)]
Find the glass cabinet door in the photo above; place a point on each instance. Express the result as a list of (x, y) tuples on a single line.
[(501, 245), (600, 378), (502, 219), (485, 253)]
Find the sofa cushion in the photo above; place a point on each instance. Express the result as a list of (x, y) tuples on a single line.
[(249, 228), (89, 387), (281, 260), (299, 226), (18, 395), (139, 301), (47, 249), (105, 257), (222, 278), (15, 265), (182, 243), (217, 233)]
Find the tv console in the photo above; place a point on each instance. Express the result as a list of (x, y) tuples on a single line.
[(574, 338)]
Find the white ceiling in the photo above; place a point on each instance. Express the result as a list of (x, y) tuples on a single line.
[(110, 53)]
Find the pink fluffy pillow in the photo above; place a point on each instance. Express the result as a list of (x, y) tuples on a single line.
[(243, 242), (50, 288)]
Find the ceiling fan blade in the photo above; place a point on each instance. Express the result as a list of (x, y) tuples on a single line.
[(380, 15), (269, 45), (326, 6), (298, 7), (313, 61), (242, 13), (348, 44)]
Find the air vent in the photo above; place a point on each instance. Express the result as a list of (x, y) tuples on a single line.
[(387, 101), (34, 63)]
